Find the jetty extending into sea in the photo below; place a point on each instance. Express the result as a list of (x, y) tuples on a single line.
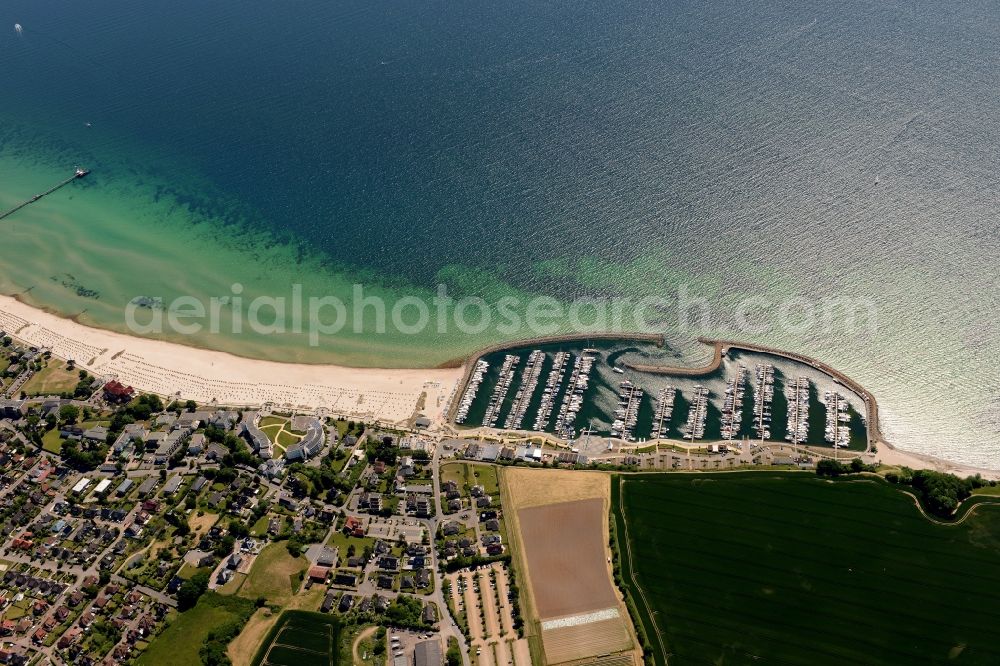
[(79, 173)]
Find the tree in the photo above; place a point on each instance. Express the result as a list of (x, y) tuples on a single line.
[(238, 529), (69, 414), (830, 468), (225, 546), (454, 655), (941, 493), (191, 590)]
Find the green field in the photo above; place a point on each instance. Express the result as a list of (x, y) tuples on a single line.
[(279, 431), (274, 575), (52, 442), (467, 475), (53, 379), (758, 568), (180, 643), (301, 638)]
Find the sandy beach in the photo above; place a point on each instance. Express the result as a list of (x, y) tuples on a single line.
[(387, 395), (173, 370)]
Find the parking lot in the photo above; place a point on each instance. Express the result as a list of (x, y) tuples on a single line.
[(484, 594)]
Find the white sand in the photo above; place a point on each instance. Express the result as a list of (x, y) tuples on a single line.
[(892, 456), (172, 370)]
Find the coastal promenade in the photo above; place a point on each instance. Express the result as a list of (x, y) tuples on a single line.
[(388, 396)]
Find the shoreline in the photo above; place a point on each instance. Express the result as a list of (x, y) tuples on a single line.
[(887, 453), (171, 370), (387, 395)]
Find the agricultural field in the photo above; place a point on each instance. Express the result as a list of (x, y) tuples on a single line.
[(301, 638), (560, 534), (745, 568)]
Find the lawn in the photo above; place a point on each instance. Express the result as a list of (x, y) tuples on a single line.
[(343, 542), (234, 584), (486, 476), (187, 571), (272, 432), (460, 473), (274, 575), (200, 525), (278, 431), (467, 475), (260, 527), (17, 610), (52, 442), (791, 569), (287, 438), (180, 642), (53, 379)]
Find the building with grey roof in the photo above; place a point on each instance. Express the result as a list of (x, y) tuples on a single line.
[(173, 484), (259, 442), (427, 653), (312, 443), (146, 487)]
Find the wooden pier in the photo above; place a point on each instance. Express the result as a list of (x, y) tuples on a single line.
[(79, 173)]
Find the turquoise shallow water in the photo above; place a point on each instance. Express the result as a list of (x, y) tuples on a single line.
[(738, 148)]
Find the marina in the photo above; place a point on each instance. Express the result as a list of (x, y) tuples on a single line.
[(664, 411), (732, 406), (697, 415), (510, 363), (627, 414), (798, 410), (469, 395), (568, 391), (552, 385), (529, 382), (763, 393), (573, 398), (838, 420)]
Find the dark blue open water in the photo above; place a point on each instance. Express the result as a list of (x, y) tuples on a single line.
[(798, 149)]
